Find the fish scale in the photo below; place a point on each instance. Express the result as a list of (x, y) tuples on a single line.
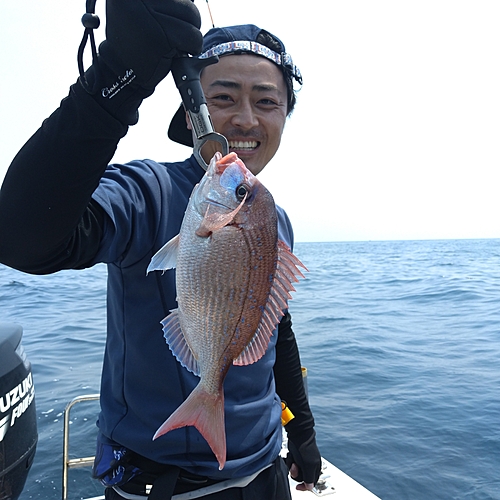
[(233, 281)]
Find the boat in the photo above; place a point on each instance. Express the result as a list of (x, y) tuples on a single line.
[(18, 442)]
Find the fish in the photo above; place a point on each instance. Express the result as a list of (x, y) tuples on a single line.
[(233, 279)]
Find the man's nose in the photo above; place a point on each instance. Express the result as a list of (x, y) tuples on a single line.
[(245, 116)]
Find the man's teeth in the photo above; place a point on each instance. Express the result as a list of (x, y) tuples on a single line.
[(243, 144)]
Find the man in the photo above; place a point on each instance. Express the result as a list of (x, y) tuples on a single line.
[(62, 206)]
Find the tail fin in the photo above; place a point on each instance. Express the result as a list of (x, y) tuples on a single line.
[(205, 411)]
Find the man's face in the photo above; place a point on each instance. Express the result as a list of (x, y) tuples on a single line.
[(247, 101)]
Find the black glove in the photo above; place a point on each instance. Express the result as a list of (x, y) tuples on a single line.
[(290, 388), (142, 37), (304, 452)]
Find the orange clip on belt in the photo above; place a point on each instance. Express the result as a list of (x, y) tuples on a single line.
[(286, 414)]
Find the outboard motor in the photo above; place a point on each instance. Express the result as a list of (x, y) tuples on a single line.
[(18, 432)]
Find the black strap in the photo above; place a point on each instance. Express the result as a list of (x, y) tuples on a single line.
[(90, 21), (164, 485)]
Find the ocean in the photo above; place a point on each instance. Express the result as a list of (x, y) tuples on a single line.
[(401, 340)]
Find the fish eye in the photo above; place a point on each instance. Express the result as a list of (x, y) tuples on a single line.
[(241, 191)]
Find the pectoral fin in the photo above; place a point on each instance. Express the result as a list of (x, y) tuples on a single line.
[(166, 257)]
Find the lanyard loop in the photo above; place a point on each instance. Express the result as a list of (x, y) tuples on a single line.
[(90, 21)]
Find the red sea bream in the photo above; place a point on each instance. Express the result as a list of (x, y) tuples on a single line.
[(234, 277)]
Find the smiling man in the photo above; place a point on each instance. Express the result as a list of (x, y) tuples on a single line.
[(63, 206), (248, 103), (249, 98)]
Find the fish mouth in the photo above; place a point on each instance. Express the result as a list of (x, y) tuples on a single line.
[(213, 203), (243, 145)]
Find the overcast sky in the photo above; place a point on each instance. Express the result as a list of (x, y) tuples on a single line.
[(396, 134)]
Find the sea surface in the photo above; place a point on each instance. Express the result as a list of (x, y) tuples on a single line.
[(401, 340)]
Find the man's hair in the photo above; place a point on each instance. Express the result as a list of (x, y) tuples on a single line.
[(267, 39)]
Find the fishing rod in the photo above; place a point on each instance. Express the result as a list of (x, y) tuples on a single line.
[(210, 13)]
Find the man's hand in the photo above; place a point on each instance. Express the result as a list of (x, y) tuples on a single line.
[(304, 462), (144, 36), (294, 472)]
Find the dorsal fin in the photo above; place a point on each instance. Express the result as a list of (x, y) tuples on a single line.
[(287, 270), (177, 342)]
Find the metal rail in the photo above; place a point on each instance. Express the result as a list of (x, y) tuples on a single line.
[(74, 462)]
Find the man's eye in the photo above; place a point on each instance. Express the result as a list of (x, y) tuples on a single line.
[(268, 102), (223, 97)]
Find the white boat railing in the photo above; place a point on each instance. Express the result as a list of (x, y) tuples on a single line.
[(69, 463)]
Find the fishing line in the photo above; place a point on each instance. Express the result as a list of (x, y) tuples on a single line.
[(210, 12)]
